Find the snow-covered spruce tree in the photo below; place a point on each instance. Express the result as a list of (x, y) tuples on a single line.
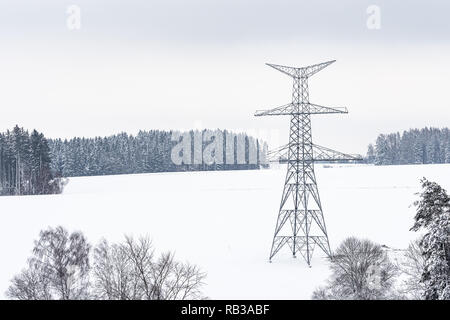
[(433, 215), (381, 151), (370, 153)]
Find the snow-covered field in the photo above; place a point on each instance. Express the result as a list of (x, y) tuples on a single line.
[(222, 221)]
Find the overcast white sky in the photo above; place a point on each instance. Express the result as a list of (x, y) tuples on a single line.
[(181, 64)]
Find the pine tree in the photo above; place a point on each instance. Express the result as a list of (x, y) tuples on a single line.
[(370, 153), (382, 152), (433, 215)]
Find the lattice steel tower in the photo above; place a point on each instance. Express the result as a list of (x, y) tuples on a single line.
[(300, 222)]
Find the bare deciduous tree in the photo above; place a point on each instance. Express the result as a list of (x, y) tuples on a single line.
[(64, 259), (114, 274), (361, 271), (128, 271), (412, 267), (59, 268), (30, 284)]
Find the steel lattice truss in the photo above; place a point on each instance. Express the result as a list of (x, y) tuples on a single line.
[(300, 224), (320, 154)]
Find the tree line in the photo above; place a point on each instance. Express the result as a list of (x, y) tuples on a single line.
[(415, 146), (32, 164), (148, 151), (25, 164)]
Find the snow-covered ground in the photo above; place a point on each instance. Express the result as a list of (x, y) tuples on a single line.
[(222, 221)]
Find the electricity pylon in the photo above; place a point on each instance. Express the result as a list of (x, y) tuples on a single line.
[(300, 222)]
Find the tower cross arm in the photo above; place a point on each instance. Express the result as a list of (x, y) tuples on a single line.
[(311, 70), (299, 108), (320, 154), (317, 109), (303, 72), (279, 155), (283, 110), (324, 154)]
